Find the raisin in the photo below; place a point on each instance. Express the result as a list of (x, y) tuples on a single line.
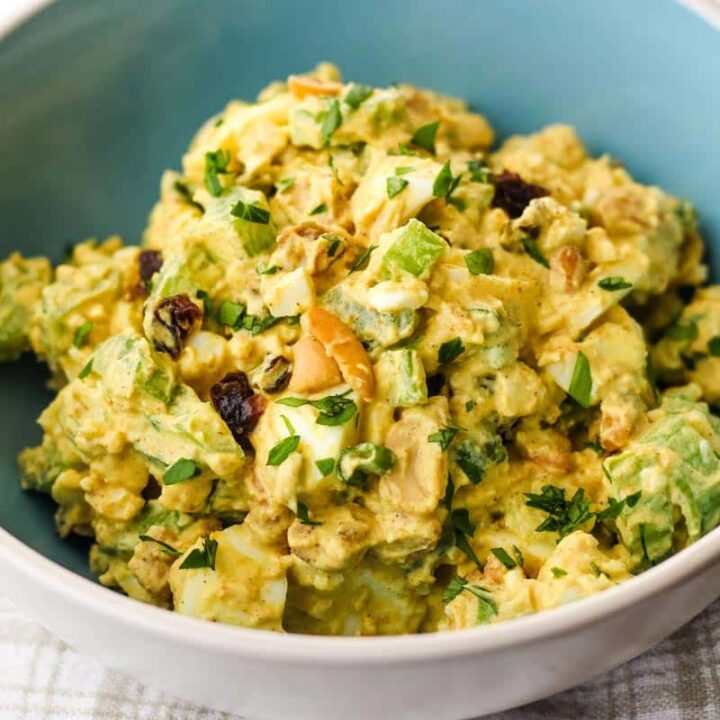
[(174, 319), (237, 404), (513, 194), (150, 262), (275, 375)]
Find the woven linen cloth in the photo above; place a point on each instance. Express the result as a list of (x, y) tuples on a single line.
[(41, 678)]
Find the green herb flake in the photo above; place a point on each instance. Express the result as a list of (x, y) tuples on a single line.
[(280, 452), (203, 557), (424, 137), (251, 212), (480, 262), (255, 325), (318, 209), (169, 549), (684, 332), (595, 569), (504, 557), (303, 516), (334, 410), (180, 471), (453, 589), (229, 313), (532, 249), (86, 370), (449, 492), (613, 283), (268, 271), (403, 170), (333, 169), (357, 95), (362, 262), (444, 436), (395, 185), (479, 171), (182, 189), (331, 122), (518, 556), (325, 466), (714, 346), (564, 515), (82, 334), (581, 381), (558, 572), (333, 245), (470, 405), (450, 350), (216, 163), (284, 185), (444, 183)]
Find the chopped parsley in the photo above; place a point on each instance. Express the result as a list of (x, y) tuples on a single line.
[(268, 271), (395, 185), (614, 508), (333, 169), (203, 557), (470, 405), (86, 370), (357, 95), (229, 313), (82, 334), (444, 182), (449, 492), (362, 262), (596, 571), (504, 557), (303, 515), (460, 518), (216, 163), (325, 466), (334, 409), (564, 515), (480, 262), (613, 283), (581, 381), (518, 556), (169, 549), (333, 245), (450, 350), (487, 607), (255, 325), (685, 332), (424, 136), (444, 436), (183, 191), (558, 572), (280, 452), (532, 249), (180, 471), (285, 184), (479, 171), (714, 346), (474, 459), (403, 170), (331, 122), (251, 212), (318, 209)]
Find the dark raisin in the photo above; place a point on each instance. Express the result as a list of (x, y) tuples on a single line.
[(686, 293), (174, 319), (150, 262), (513, 194), (237, 404), (152, 490), (275, 375), (435, 384)]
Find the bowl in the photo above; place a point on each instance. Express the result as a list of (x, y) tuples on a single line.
[(96, 98)]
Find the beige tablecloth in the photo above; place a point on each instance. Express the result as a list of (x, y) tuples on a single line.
[(41, 678)]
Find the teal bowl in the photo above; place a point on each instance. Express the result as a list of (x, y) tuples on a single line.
[(97, 97)]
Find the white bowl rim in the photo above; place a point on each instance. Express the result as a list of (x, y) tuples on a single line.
[(316, 650)]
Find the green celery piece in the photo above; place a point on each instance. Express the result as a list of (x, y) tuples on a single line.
[(401, 376), (415, 251)]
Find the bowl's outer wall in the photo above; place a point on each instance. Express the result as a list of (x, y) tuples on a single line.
[(97, 97)]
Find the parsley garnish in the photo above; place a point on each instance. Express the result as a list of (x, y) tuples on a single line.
[(357, 95), (450, 350), (470, 405), (615, 282), (251, 212), (333, 245), (216, 163), (362, 262), (86, 370), (303, 516), (280, 452), (183, 191), (444, 182), (180, 471), (596, 571), (518, 556), (325, 466), (334, 409), (82, 334), (203, 557), (480, 262), (424, 137), (487, 607), (479, 171), (230, 313), (318, 209), (284, 185), (531, 247), (268, 271), (444, 436), (474, 460), (404, 170), (504, 557), (331, 121), (581, 381), (714, 346), (564, 515), (169, 549), (460, 519), (449, 492), (558, 572), (395, 185), (686, 332), (333, 169), (255, 325)]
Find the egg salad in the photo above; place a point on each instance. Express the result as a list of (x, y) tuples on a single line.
[(365, 375)]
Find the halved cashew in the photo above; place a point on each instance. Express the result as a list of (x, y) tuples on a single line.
[(313, 369), (342, 345), (301, 86)]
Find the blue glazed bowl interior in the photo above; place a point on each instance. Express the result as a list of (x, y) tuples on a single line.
[(97, 97)]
